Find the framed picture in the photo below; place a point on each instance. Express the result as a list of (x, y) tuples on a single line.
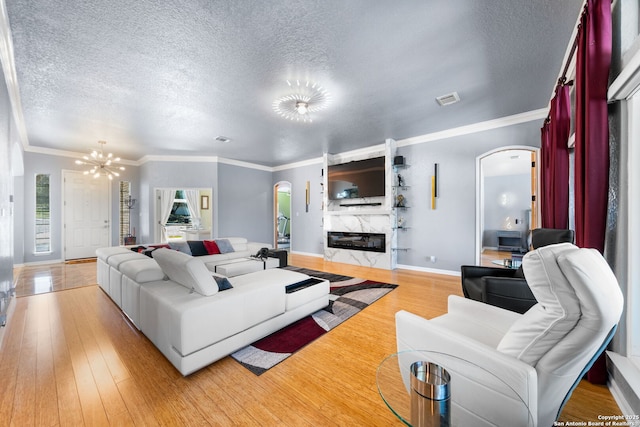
[(204, 202)]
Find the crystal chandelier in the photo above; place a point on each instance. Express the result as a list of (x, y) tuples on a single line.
[(101, 164)]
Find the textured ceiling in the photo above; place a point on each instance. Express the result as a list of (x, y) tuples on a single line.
[(167, 77)]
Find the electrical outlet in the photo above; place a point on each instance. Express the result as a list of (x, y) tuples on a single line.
[(433, 258)]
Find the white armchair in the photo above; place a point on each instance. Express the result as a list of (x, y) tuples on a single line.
[(540, 355)]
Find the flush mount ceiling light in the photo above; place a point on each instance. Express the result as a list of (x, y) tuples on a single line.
[(448, 99), (223, 139), (307, 98), (101, 164)]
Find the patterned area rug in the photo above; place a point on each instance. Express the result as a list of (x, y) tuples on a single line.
[(347, 297)]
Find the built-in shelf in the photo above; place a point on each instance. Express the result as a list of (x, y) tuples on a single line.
[(401, 228), (400, 249), (360, 212), (350, 205), (403, 166)]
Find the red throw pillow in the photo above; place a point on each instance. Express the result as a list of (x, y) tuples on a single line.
[(211, 246)]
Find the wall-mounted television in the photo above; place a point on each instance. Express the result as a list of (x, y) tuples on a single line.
[(356, 179)]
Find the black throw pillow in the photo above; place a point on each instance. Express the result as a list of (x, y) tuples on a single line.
[(223, 283), (197, 247)]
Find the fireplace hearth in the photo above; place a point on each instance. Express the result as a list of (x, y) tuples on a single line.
[(372, 242)]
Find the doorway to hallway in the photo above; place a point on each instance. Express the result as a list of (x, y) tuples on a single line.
[(282, 215)]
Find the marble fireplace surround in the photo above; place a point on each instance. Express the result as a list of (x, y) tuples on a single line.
[(374, 215)]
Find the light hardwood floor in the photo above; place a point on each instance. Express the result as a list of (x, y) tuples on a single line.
[(71, 358)]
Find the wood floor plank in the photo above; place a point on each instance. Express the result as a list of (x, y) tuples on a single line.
[(25, 392), (86, 321), (10, 357), (139, 411), (93, 411), (70, 409), (46, 395)]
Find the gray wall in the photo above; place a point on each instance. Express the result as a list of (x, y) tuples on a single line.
[(245, 203), (36, 163), (7, 138), (242, 199), (449, 231), (306, 227)]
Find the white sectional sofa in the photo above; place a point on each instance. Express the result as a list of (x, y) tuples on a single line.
[(176, 302)]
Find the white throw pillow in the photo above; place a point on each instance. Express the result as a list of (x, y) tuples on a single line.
[(557, 311), (186, 270)]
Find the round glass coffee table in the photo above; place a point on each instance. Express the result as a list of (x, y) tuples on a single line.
[(477, 396)]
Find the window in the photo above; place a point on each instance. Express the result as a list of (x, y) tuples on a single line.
[(125, 212), (43, 215), (180, 213)]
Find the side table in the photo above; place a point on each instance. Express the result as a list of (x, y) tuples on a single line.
[(281, 254), (467, 382)]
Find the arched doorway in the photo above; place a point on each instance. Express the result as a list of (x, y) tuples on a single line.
[(282, 215), (506, 210)]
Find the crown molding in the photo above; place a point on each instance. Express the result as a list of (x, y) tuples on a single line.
[(361, 151), (203, 159), (10, 76), (162, 158), (244, 164), (302, 163), (476, 127), (70, 154)]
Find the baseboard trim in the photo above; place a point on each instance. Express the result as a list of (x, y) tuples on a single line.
[(429, 270), (624, 382), (50, 261), (307, 254)]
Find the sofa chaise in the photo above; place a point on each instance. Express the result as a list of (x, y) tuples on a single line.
[(176, 301)]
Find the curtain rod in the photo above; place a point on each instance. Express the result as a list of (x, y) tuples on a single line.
[(563, 77), (574, 47)]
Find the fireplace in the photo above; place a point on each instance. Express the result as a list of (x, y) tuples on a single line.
[(372, 242)]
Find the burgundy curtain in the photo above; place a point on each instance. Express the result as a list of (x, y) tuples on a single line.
[(555, 161), (592, 135), (592, 130)]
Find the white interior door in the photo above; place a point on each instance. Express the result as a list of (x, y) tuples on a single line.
[(86, 214)]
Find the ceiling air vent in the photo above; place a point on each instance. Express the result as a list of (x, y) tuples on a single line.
[(448, 99)]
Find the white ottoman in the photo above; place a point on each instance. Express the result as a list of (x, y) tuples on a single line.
[(242, 266)]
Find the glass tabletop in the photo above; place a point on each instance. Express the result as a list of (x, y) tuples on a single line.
[(471, 387), (507, 262)]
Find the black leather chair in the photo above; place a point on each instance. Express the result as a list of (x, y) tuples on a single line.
[(505, 287)]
